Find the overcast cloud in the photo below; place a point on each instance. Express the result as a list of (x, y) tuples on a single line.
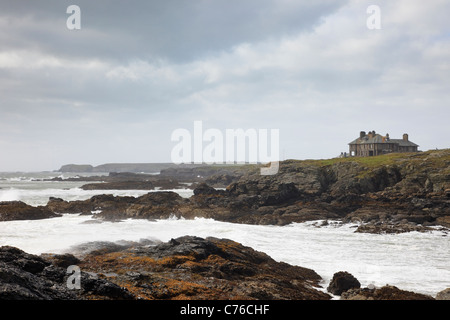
[(115, 90)]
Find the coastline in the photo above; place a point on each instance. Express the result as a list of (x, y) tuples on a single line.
[(387, 194), (398, 195), (185, 268)]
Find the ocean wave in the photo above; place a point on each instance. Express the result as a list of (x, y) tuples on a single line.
[(91, 247), (10, 194), (40, 197), (403, 260)]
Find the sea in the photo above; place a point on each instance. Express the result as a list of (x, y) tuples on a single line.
[(414, 261)]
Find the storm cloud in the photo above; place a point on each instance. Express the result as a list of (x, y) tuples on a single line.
[(114, 90)]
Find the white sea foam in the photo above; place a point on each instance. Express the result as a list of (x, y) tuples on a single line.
[(40, 197), (9, 195)]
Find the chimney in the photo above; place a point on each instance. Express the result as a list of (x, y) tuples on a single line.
[(405, 137), (362, 134), (387, 136)]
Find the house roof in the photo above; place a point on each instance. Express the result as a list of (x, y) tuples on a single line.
[(377, 138), (403, 143)]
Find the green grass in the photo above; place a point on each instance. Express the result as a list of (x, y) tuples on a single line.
[(437, 159), (364, 161), (386, 159), (433, 159)]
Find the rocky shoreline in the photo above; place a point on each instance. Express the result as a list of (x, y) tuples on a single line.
[(186, 268), (183, 268), (397, 193), (387, 194)]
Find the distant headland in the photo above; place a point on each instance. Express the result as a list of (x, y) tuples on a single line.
[(123, 167)]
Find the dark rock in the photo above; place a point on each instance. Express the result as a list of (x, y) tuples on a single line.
[(205, 189), (197, 247), (25, 276), (18, 210), (222, 180), (284, 192), (444, 221), (379, 227), (54, 199), (443, 295), (78, 206), (97, 288), (211, 268), (20, 277), (61, 260), (384, 293), (341, 282)]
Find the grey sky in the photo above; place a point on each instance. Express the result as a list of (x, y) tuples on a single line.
[(115, 90)]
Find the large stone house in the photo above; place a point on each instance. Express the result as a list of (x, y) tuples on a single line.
[(373, 144)]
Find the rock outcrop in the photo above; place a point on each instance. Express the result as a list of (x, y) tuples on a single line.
[(393, 190), (153, 205), (443, 295), (196, 268), (384, 293), (385, 194), (183, 268), (18, 210), (341, 282), (25, 276)]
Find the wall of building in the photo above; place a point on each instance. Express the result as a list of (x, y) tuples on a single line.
[(375, 149)]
